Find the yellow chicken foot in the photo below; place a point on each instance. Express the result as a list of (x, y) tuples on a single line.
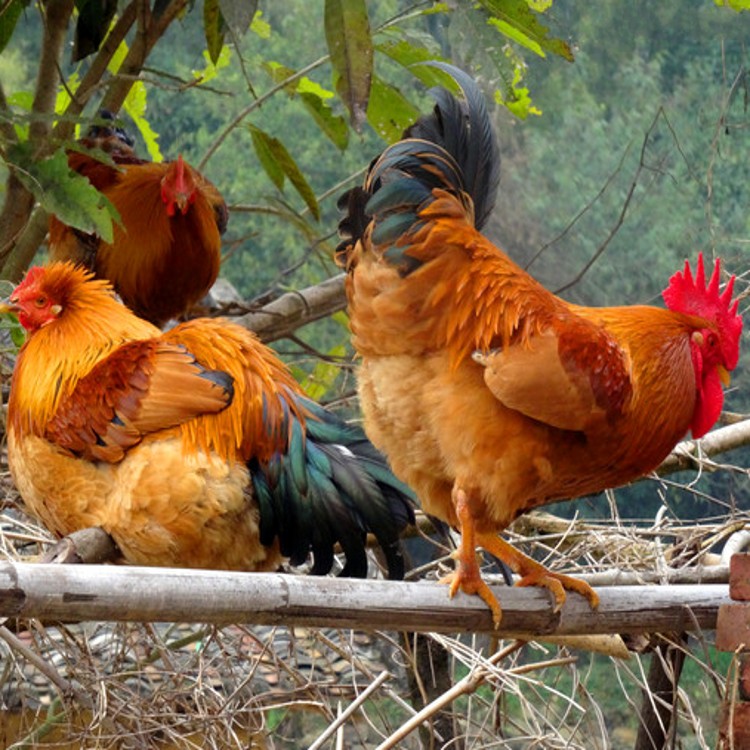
[(467, 575), (535, 574)]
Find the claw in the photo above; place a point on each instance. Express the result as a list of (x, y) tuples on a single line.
[(535, 574), (468, 579), (558, 583)]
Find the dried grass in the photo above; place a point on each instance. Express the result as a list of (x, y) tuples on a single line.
[(143, 685)]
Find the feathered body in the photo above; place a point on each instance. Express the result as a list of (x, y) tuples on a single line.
[(489, 394), (166, 250), (193, 447)]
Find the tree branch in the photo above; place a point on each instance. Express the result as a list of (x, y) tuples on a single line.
[(292, 310), (19, 202), (691, 454), (150, 29)]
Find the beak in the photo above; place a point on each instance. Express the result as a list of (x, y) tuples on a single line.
[(724, 375), (6, 307)]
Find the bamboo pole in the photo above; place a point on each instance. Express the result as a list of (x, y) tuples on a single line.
[(106, 592)]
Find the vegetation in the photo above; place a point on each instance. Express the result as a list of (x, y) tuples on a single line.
[(625, 137)]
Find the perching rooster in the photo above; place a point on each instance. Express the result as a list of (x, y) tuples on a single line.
[(490, 395), (166, 249), (193, 447)]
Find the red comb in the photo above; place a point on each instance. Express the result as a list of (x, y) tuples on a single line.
[(693, 296), (33, 274)]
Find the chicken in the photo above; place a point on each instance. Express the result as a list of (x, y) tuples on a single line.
[(488, 394), (166, 249), (190, 448)]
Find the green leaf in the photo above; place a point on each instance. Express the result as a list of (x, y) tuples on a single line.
[(212, 69), (135, 105), (8, 19), (323, 376), (517, 35), (22, 100), (313, 96), (308, 86), (68, 195), (279, 74), (389, 112), (63, 98), (341, 318), (409, 55), (350, 46), (516, 20), (333, 126), (9, 322), (264, 152), (213, 27), (279, 164), (260, 27), (238, 14), (738, 5), (516, 97)]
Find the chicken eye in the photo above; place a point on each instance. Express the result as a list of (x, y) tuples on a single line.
[(41, 300), (712, 340)]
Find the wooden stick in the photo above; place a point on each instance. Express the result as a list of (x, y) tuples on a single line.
[(104, 592), (295, 309), (468, 684)]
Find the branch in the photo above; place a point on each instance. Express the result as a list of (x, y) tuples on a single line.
[(66, 125), (292, 310), (691, 454), (137, 594), (57, 14), (27, 244), (150, 29)]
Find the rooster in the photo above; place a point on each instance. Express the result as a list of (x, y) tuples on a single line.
[(190, 448), (166, 249), (490, 395)]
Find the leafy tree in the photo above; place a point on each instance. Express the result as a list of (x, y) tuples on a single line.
[(225, 84)]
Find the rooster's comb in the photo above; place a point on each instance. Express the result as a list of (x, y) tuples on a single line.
[(693, 296), (34, 274)]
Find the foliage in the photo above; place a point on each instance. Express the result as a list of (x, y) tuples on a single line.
[(367, 49), (70, 196)]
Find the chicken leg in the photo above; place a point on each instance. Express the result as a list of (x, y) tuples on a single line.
[(468, 577)]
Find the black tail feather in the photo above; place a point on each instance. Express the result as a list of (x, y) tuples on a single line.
[(331, 487), (453, 148)]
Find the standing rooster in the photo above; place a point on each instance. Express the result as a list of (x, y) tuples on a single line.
[(193, 447), (166, 252), (489, 394)]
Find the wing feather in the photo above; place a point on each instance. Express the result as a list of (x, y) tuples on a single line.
[(141, 388), (568, 378)]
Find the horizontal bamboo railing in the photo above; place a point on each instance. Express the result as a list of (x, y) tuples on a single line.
[(110, 592)]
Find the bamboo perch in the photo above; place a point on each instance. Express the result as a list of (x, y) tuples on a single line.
[(105, 592)]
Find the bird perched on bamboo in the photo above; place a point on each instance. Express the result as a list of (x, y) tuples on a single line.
[(194, 447), (166, 249), (489, 394)]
